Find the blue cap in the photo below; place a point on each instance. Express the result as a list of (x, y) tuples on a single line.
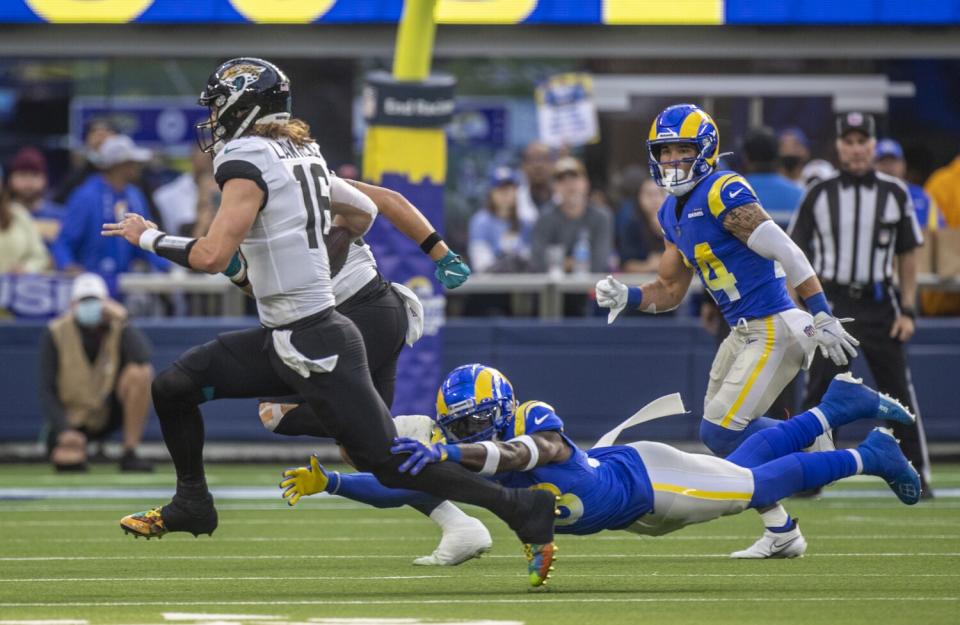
[(888, 148), (502, 175), (796, 132)]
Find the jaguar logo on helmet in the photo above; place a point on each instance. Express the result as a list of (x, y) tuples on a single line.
[(241, 75)]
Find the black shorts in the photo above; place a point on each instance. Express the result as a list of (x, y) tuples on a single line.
[(344, 401)]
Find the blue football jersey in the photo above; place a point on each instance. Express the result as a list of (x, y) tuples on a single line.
[(602, 489), (743, 283)]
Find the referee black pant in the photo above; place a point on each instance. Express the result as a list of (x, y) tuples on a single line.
[(886, 358)]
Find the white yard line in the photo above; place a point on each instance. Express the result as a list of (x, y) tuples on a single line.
[(306, 578), (528, 600), (156, 558)]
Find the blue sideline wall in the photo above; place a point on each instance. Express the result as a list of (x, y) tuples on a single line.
[(594, 375)]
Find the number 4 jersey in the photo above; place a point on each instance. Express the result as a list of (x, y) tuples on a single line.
[(288, 266), (743, 283)]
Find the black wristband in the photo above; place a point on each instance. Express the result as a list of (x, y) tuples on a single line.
[(175, 249), (430, 242), (909, 312)]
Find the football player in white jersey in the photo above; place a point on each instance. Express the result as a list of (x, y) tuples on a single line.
[(388, 315), (278, 202)]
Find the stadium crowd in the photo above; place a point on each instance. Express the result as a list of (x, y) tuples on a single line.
[(544, 215)]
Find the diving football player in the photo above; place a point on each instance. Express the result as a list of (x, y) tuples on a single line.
[(714, 227), (644, 487)]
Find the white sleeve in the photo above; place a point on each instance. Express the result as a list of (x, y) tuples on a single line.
[(770, 241), (342, 192)]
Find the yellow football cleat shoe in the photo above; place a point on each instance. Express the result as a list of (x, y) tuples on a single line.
[(147, 524), (540, 560)]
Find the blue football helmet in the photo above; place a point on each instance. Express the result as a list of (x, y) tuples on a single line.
[(689, 124), (474, 403)]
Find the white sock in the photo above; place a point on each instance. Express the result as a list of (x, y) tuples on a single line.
[(856, 456), (777, 517), (822, 418), (447, 515)]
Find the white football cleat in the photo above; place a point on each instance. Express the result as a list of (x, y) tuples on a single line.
[(468, 540), (790, 544)]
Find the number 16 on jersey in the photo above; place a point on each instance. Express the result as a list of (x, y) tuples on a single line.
[(316, 201)]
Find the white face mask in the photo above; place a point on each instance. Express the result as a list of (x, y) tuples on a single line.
[(675, 181), (89, 312)]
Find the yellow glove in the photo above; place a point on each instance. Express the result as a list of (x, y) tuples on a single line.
[(303, 481)]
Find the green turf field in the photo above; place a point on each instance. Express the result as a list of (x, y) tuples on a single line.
[(871, 560)]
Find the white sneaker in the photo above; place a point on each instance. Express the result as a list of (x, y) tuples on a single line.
[(790, 544), (466, 541)]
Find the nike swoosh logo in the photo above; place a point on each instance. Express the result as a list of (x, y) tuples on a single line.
[(540, 420), (451, 273), (228, 150), (736, 193)]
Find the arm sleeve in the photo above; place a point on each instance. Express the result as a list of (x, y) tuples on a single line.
[(727, 192), (342, 192), (135, 346), (50, 403), (365, 488), (909, 235), (603, 242), (771, 242), (801, 224)]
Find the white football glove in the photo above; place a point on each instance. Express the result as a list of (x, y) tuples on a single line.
[(835, 342), (612, 294)]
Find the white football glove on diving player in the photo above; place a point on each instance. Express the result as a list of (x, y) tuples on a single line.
[(612, 294), (835, 342)]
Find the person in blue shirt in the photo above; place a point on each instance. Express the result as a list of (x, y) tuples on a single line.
[(105, 197), (778, 195), (715, 228), (499, 239), (644, 487), (889, 160)]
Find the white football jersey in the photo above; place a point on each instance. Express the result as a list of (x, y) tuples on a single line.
[(359, 269), (288, 266)]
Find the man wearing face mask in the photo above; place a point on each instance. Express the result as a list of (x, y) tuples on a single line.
[(95, 377)]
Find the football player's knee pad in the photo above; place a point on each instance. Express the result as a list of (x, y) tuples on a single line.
[(173, 385), (721, 441)]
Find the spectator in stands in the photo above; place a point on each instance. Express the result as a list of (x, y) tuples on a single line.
[(794, 152), (889, 160), (85, 161), (95, 377), (27, 184), (640, 235), (187, 204), (582, 231), (105, 197), (778, 194), (21, 248), (943, 185), (499, 241), (535, 194)]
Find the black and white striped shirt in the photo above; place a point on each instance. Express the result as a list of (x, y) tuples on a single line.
[(851, 227)]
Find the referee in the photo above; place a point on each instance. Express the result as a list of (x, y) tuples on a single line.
[(852, 225)]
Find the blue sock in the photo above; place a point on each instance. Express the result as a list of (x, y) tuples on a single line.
[(784, 437), (722, 441), (781, 478), (365, 488)]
